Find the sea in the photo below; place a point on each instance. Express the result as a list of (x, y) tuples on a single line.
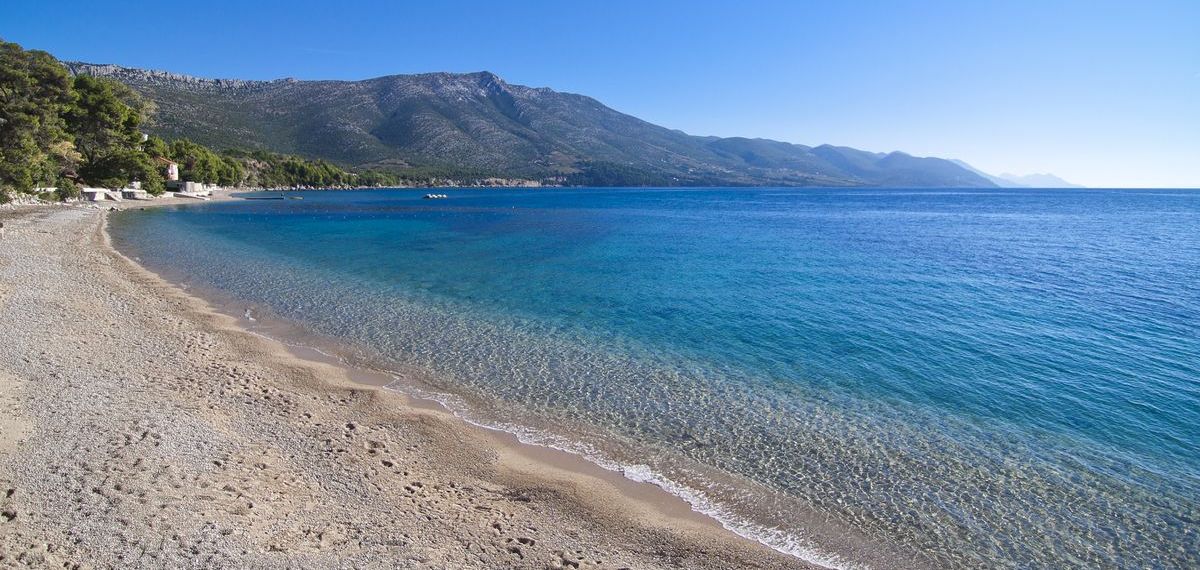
[(863, 378)]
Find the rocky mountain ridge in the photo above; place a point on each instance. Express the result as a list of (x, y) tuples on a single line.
[(476, 124)]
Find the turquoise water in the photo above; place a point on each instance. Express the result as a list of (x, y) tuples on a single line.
[(866, 377)]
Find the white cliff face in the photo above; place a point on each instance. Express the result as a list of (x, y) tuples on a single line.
[(150, 76)]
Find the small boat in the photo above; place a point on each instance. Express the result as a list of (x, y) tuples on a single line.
[(435, 196)]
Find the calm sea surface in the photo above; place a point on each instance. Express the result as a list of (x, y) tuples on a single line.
[(866, 377)]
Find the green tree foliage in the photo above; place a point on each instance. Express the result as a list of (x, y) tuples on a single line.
[(150, 173), (156, 147), (200, 164), (105, 120), (34, 143), (270, 170), (67, 190), (376, 178), (56, 130)]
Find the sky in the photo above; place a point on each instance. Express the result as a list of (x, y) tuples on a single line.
[(1100, 93)]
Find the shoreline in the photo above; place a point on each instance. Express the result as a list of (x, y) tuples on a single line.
[(642, 482), (567, 487), (536, 455)]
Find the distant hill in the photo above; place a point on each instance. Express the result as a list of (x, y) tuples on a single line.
[(1014, 181), (477, 124), (1001, 182), (1038, 181)]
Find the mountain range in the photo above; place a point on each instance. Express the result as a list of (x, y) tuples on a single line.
[(1007, 180), (1043, 180), (476, 124)]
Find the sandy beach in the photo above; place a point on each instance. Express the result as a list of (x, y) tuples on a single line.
[(141, 428)]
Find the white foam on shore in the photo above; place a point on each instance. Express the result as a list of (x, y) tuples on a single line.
[(700, 501)]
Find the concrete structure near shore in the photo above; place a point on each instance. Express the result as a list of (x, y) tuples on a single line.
[(191, 189), (101, 194), (135, 192)]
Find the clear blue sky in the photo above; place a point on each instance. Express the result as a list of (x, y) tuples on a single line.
[(1100, 93)]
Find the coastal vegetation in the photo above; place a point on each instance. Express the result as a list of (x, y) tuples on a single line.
[(35, 93), (60, 131), (271, 170)]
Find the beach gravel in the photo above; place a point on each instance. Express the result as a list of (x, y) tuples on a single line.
[(141, 429)]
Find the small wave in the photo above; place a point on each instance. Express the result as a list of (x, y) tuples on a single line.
[(700, 501), (697, 499)]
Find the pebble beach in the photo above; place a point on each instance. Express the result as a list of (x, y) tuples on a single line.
[(141, 428)]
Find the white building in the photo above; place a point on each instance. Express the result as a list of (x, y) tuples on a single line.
[(171, 169)]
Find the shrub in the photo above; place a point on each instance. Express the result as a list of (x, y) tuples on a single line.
[(67, 190)]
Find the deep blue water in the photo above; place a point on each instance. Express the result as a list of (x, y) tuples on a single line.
[(951, 378)]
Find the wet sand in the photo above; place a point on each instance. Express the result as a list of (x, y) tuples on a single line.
[(141, 427)]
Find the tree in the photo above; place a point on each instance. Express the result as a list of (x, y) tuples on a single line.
[(233, 173), (55, 130), (104, 119), (149, 172), (34, 90), (201, 164), (66, 189), (156, 147)]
